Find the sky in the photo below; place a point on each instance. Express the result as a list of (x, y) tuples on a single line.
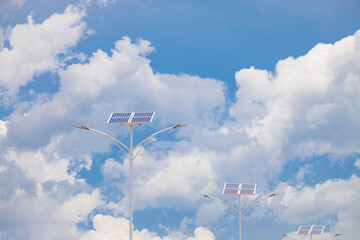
[(269, 91)]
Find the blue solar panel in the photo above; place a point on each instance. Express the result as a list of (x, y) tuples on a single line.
[(317, 229), (247, 191), (140, 119), (239, 189), (146, 114), (118, 120), (132, 118), (310, 230), (232, 185), (121, 115), (247, 185), (231, 191)]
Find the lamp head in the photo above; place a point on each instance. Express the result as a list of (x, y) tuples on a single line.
[(179, 125), (206, 196), (83, 127), (274, 194)]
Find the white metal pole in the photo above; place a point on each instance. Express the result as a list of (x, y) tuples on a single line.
[(131, 160), (240, 217)]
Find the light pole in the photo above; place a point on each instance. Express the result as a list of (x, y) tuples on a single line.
[(239, 212), (130, 119)]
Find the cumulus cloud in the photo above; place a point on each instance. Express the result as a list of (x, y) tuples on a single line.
[(8, 5), (35, 48), (3, 129), (306, 205), (308, 103), (357, 163), (111, 228)]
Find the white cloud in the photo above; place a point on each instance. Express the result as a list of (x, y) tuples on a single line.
[(84, 203), (111, 228), (3, 129), (300, 175), (112, 169), (42, 167), (2, 38), (163, 182), (35, 47), (357, 163), (310, 99), (8, 5), (43, 211), (306, 205)]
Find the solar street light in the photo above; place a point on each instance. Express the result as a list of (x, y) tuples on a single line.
[(240, 189), (311, 230), (131, 119)]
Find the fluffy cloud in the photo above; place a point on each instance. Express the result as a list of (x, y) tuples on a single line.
[(307, 104), (357, 163), (306, 205), (35, 48), (8, 5), (110, 228)]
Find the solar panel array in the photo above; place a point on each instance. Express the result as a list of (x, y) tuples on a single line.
[(239, 189), (131, 118), (310, 230)]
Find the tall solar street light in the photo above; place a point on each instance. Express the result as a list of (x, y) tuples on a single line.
[(240, 189), (131, 119)]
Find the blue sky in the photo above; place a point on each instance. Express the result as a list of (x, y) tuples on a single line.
[(269, 90)]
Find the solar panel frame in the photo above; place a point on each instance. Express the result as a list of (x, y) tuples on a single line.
[(130, 118), (317, 229), (239, 189), (311, 230)]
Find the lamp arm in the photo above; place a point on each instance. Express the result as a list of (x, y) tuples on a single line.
[(245, 210), (143, 145), (117, 144), (336, 235), (110, 137), (146, 140), (236, 212), (285, 235)]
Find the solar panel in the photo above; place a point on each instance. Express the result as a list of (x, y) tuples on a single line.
[(133, 118), (239, 189), (247, 191), (304, 230), (317, 229), (310, 230)]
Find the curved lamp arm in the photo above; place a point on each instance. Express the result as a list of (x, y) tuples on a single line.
[(225, 203), (244, 211), (117, 142), (336, 235), (285, 235), (147, 140)]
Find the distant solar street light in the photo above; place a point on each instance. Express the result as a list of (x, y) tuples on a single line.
[(311, 230), (240, 189), (131, 119)]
